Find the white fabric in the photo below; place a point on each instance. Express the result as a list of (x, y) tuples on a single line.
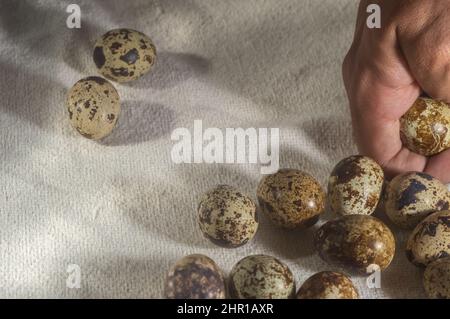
[(121, 209)]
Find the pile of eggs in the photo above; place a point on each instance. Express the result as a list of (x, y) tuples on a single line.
[(354, 242)]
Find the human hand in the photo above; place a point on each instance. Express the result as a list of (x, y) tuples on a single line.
[(387, 69)]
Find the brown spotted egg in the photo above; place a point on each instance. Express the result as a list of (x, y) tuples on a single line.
[(410, 197), (328, 285), (291, 198), (227, 217), (430, 240), (94, 106), (425, 128), (261, 277), (195, 277), (355, 186), (436, 279), (124, 55), (356, 242)]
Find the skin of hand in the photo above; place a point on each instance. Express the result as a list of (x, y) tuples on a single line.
[(387, 69)]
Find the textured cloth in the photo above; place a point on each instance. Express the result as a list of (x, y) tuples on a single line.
[(121, 209)]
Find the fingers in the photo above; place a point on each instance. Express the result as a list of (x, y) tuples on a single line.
[(439, 166), (404, 161), (427, 51), (425, 42), (375, 116), (380, 90)]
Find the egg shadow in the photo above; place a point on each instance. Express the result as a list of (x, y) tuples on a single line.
[(166, 210), (140, 122), (177, 202), (121, 277), (331, 135), (402, 279), (289, 244), (79, 47), (171, 69)]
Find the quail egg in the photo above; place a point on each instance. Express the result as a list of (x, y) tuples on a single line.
[(261, 277), (227, 217), (425, 128), (430, 240), (436, 279), (328, 285), (410, 197), (94, 106), (291, 198), (355, 186), (356, 242), (195, 277), (124, 55)]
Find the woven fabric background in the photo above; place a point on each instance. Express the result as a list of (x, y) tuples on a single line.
[(121, 209)]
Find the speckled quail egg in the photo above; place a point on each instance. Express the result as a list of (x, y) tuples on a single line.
[(227, 217), (124, 55), (356, 242), (195, 277), (291, 198), (328, 285), (355, 186), (94, 107), (410, 197), (430, 240), (425, 128), (261, 277), (436, 279)]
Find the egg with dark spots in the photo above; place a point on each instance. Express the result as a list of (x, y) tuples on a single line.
[(436, 279), (355, 186), (93, 105), (328, 285), (430, 240), (195, 277), (410, 197), (357, 243), (425, 127), (291, 198), (261, 277), (123, 55), (227, 216)]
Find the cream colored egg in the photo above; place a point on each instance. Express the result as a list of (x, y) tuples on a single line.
[(227, 216), (425, 128), (356, 242), (291, 198), (94, 107), (328, 285), (410, 197), (195, 277), (261, 277), (124, 55), (430, 240), (355, 186)]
